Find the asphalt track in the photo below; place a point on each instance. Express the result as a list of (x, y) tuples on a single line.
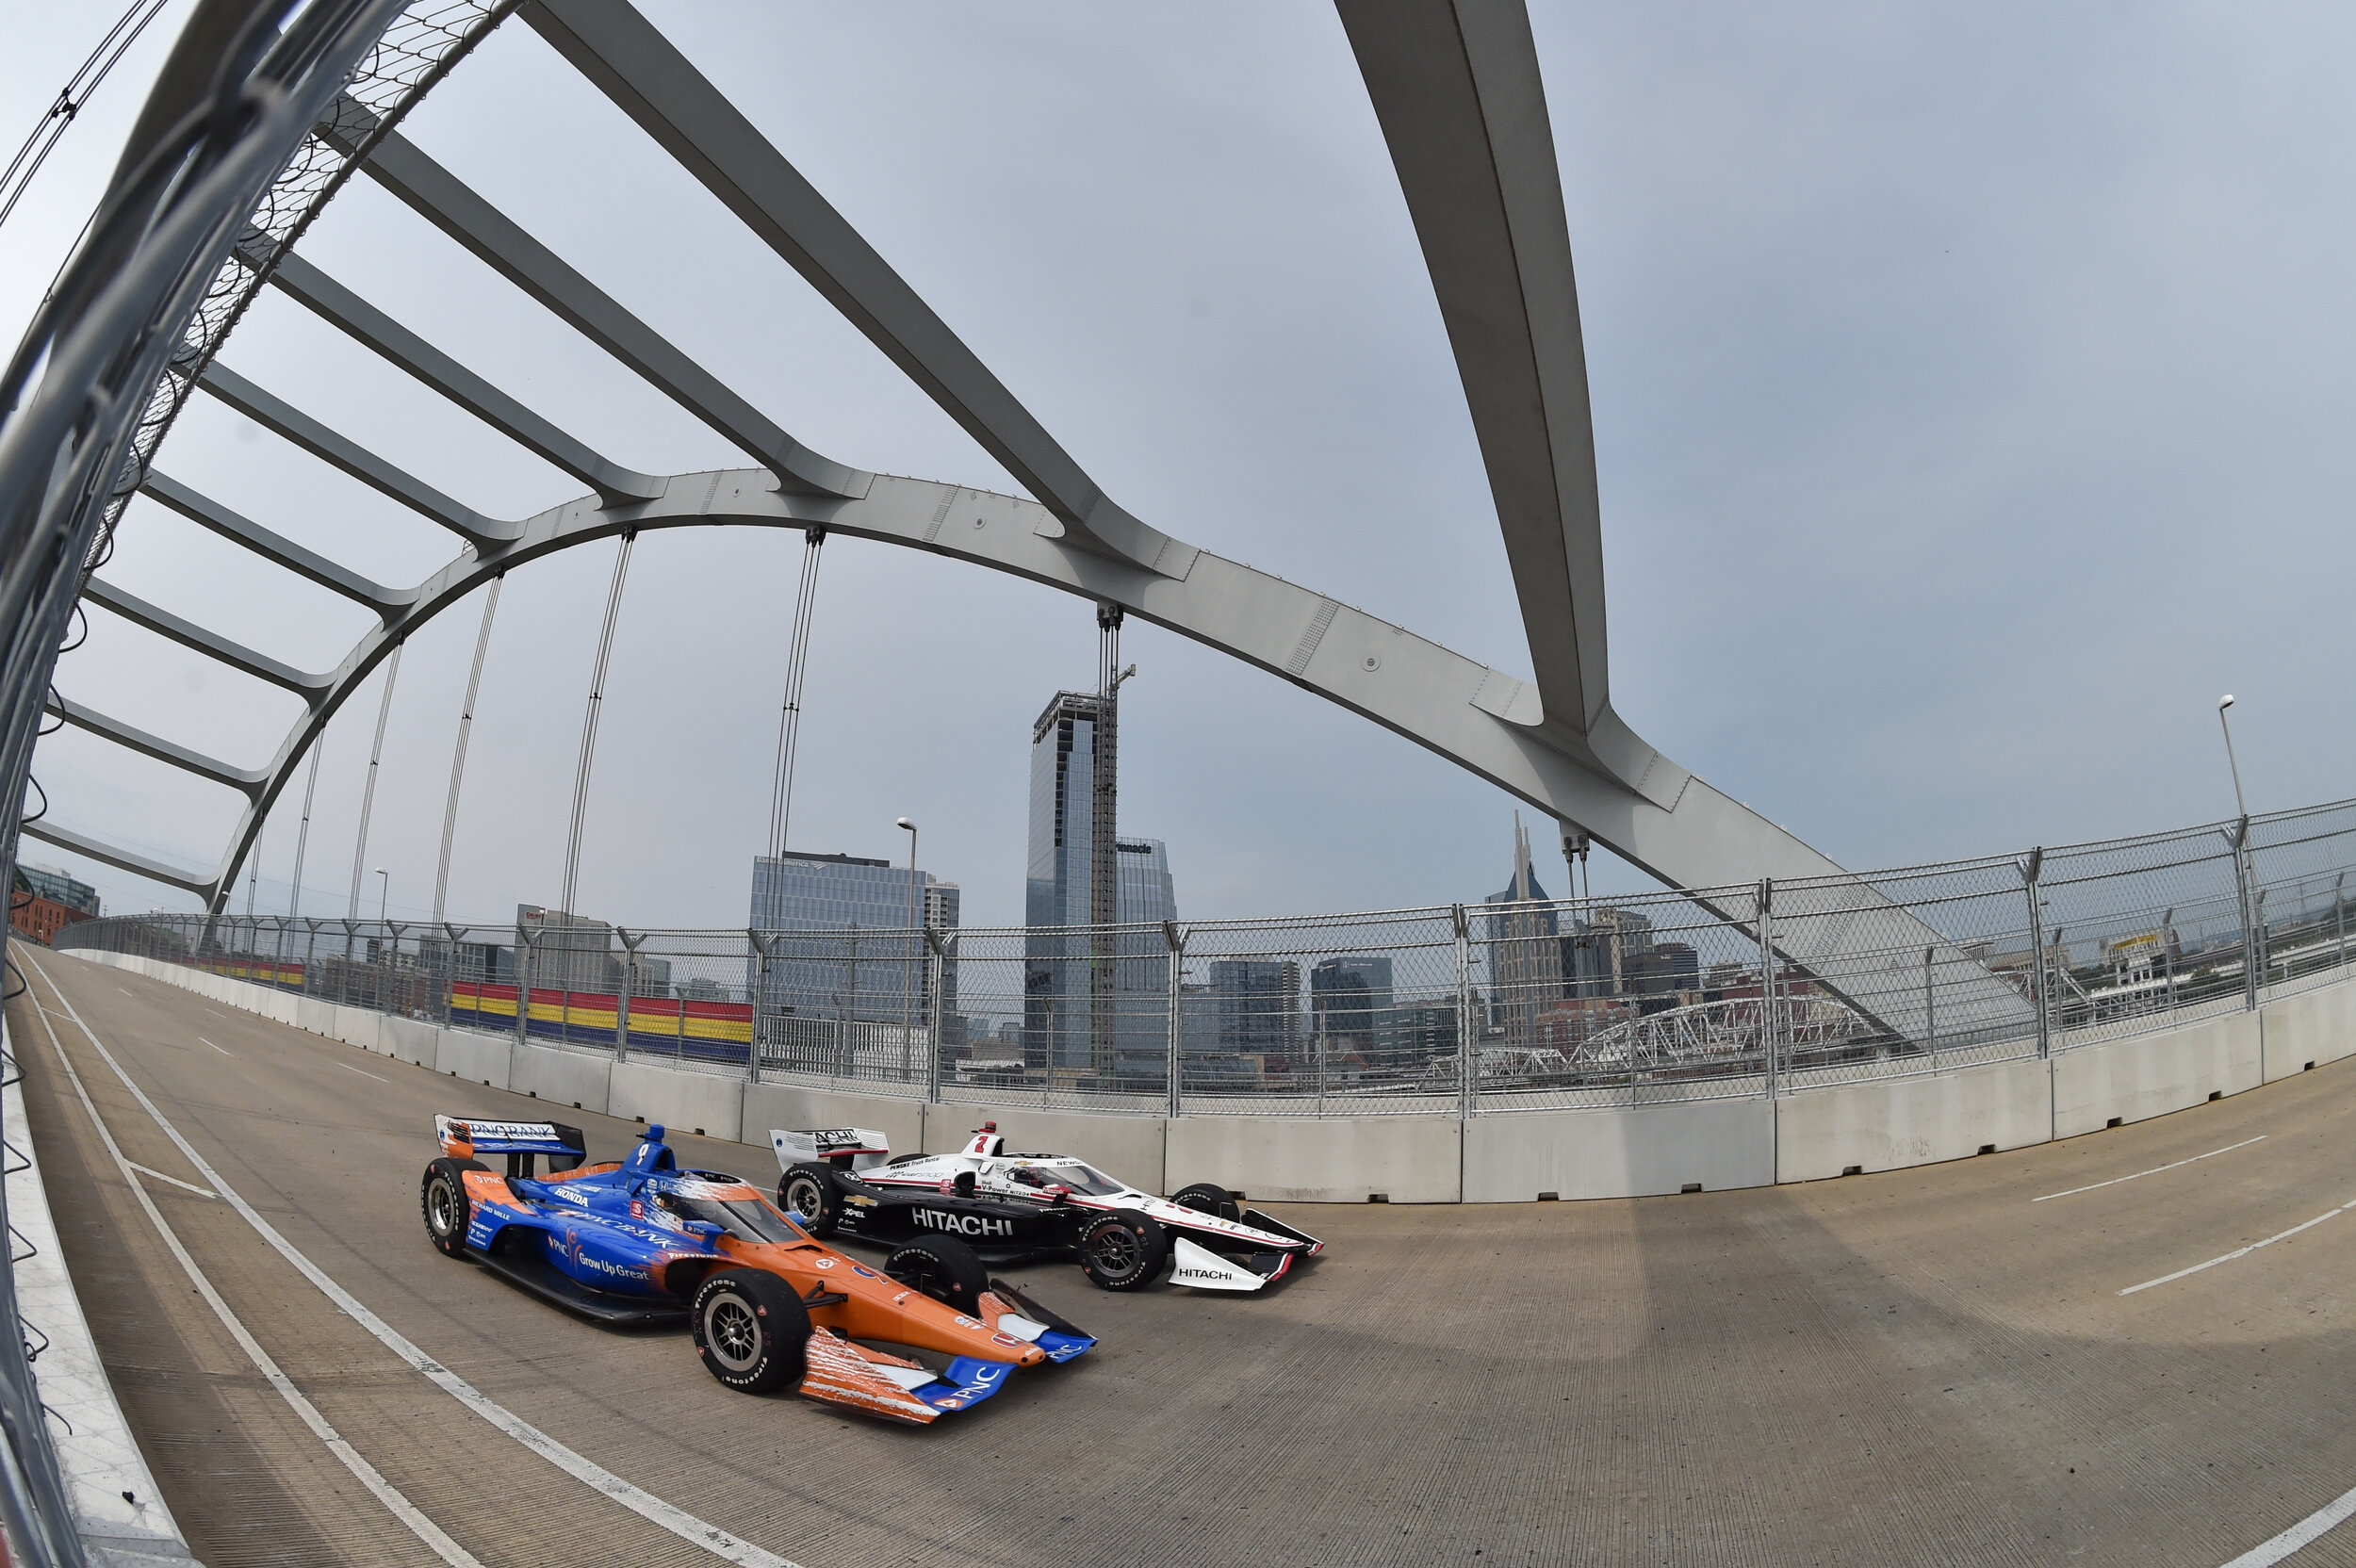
[(1921, 1366)]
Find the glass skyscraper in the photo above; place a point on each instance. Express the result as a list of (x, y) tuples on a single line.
[(1059, 994), (836, 930)]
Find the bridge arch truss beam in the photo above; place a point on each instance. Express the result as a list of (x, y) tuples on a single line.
[(1458, 93)]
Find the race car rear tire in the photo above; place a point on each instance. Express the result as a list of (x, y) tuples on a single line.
[(1208, 1197), (442, 1197), (1124, 1251), (752, 1333), (942, 1267), (809, 1189)]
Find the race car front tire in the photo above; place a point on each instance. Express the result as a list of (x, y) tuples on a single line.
[(1208, 1197), (1124, 1251), (942, 1267), (809, 1189), (442, 1197), (752, 1333)]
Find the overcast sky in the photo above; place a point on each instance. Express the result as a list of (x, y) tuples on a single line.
[(1971, 384)]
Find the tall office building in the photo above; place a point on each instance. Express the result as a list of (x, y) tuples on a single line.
[(1258, 1005), (1525, 949), (59, 887), (1061, 999), (570, 952), (1350, 1005), (836, 930), (1606, 953)]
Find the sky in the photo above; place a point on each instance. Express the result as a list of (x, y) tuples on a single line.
[(1970, 388)]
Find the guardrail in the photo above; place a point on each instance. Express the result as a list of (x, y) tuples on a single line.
[(1536, 1005)]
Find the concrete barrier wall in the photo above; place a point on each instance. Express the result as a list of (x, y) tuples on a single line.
[(1619, 1153), (691, 1102), (1816, 1128), (1824, 1130), (410, 1040), (2318, 1026), (1406, 1159), (477, 1058), (569, 1080), (2137, 1079)]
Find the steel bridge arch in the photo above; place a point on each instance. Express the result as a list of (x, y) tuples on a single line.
[(1457, 91)]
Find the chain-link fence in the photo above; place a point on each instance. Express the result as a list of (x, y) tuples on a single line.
[(1704, 993)]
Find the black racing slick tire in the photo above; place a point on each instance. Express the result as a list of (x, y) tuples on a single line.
[(809, 1189), (752, 1333), (1124, 1251), (442, 1197), (942, 1267), (1208, 1197)]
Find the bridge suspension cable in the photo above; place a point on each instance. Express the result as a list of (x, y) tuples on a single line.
[(303, 833), (790, 721), (367, 791), (589, 722), (458, 755)]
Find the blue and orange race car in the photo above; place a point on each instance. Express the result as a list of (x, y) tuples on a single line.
[(640, 1242)]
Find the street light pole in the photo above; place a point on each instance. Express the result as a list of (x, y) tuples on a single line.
[(384, 892), (907, 985), (2222, 704), (2245, 870)]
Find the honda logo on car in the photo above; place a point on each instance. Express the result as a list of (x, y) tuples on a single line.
[(964, 1224)]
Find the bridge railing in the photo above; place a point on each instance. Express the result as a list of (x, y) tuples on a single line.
[(1621, 1000)]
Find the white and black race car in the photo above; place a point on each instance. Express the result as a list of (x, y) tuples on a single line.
[(1009, 1206)]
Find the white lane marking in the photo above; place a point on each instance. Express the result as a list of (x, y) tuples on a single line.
[(117, 987), (2240, 1251), (348, 1068), (230, 1054), (2267, 1554), (368, 1475), (149, 1171), (223, 1017), (644, 1504), (2154, 1170)]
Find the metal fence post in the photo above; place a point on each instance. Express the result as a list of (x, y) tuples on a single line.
[(392, 960), (1767, 1008), (2239, 836), (2167, 953), (1467, 1036), (523, 985), (1320, 1061), (1930, 1008), (1177, 940), (938, 944), (450, 977), (2258, 921), (2029, 869), (2339, 907), (630, 990), (761, 995)]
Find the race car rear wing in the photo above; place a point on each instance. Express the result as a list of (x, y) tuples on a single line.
[(466, 1137), (845, 1148)]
